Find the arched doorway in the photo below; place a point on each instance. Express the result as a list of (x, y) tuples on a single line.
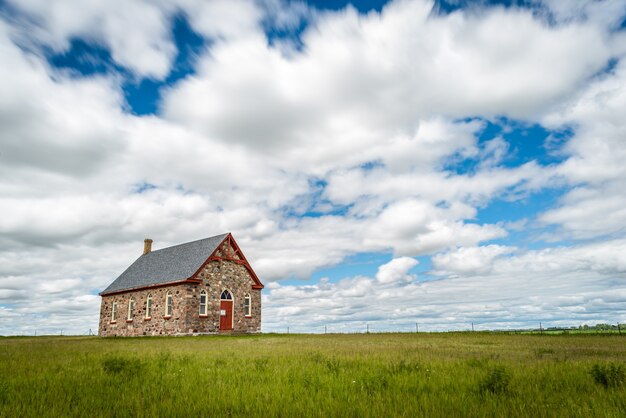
[(226, 311)]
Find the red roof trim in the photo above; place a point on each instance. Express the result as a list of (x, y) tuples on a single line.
[(243, 261)]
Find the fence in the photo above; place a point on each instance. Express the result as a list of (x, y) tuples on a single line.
[(376, 328)]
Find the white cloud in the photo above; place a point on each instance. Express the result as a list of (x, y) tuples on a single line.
[(223, 19), (357, 81), (589, 212), (54, 125), (358, 130), (396, 270), (595, 206), (604, 13), (561, 286), (469, 261), (137, 33), (284, 14), (417, 228), (600, 257)]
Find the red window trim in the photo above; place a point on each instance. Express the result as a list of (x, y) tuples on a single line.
[(167, 316)]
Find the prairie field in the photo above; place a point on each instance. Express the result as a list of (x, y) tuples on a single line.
[(346, 375)]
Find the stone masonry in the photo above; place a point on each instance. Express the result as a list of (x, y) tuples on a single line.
[(215, 277)]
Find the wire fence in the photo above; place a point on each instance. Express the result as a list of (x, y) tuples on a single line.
[(377, 328), (367, 328)]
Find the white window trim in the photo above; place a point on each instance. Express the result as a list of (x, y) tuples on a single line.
[(247, 308), (168, 298), (149, 306), (131, 308), (206, 300), (114, 312)]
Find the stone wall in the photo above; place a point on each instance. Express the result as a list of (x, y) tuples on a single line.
[(157, 324), (216, 277), (186, 319)]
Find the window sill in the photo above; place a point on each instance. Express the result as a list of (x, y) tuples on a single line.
[(248, 316), (204, 316), (128, 321), (147, 318), (167, 317), (114, 322)]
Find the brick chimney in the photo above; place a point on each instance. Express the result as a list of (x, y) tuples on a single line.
[(147, 245)]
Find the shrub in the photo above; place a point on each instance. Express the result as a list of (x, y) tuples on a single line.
[(4, 392), (540, 352), (375, 383), (261, 364), (609, 375), (119, 364), (333, 365), (496, 381), (404, 367), (478, 362)]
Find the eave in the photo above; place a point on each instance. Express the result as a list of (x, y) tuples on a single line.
[(152, 286)]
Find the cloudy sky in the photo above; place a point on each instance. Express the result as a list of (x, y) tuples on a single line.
[(415, 161)]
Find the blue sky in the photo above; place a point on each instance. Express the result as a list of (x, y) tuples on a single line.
[(378, 162)]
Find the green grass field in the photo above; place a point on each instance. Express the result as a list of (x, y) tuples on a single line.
[(362, 375)]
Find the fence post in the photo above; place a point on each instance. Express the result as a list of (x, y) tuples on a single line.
[(619, 329), (368, 328), (417, 328), (540, 328), (324, 329)]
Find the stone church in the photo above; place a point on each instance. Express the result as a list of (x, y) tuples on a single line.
[(200, 287)]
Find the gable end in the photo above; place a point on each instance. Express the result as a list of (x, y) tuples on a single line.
[(228, 250)]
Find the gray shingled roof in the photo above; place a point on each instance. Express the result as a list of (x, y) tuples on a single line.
[(166, 265)]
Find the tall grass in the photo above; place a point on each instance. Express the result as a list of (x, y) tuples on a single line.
[(454, 374)]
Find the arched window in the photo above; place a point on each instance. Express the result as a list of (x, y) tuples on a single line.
[(247, 305), (169, 304), (114, 312), (149, 306), (203, 302), (131, 308), (226, 295)]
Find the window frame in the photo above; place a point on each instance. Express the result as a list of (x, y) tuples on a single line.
[(148, 307), (131, 310), (203, 293), (247, 305), (169, 305), (114, 312)]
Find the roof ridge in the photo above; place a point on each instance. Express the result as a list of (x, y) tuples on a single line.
[(186, 243)]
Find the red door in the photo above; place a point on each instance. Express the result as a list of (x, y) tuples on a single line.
[(226, 315)]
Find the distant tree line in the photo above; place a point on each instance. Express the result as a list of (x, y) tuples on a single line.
[(602, 327), (596, 327)]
